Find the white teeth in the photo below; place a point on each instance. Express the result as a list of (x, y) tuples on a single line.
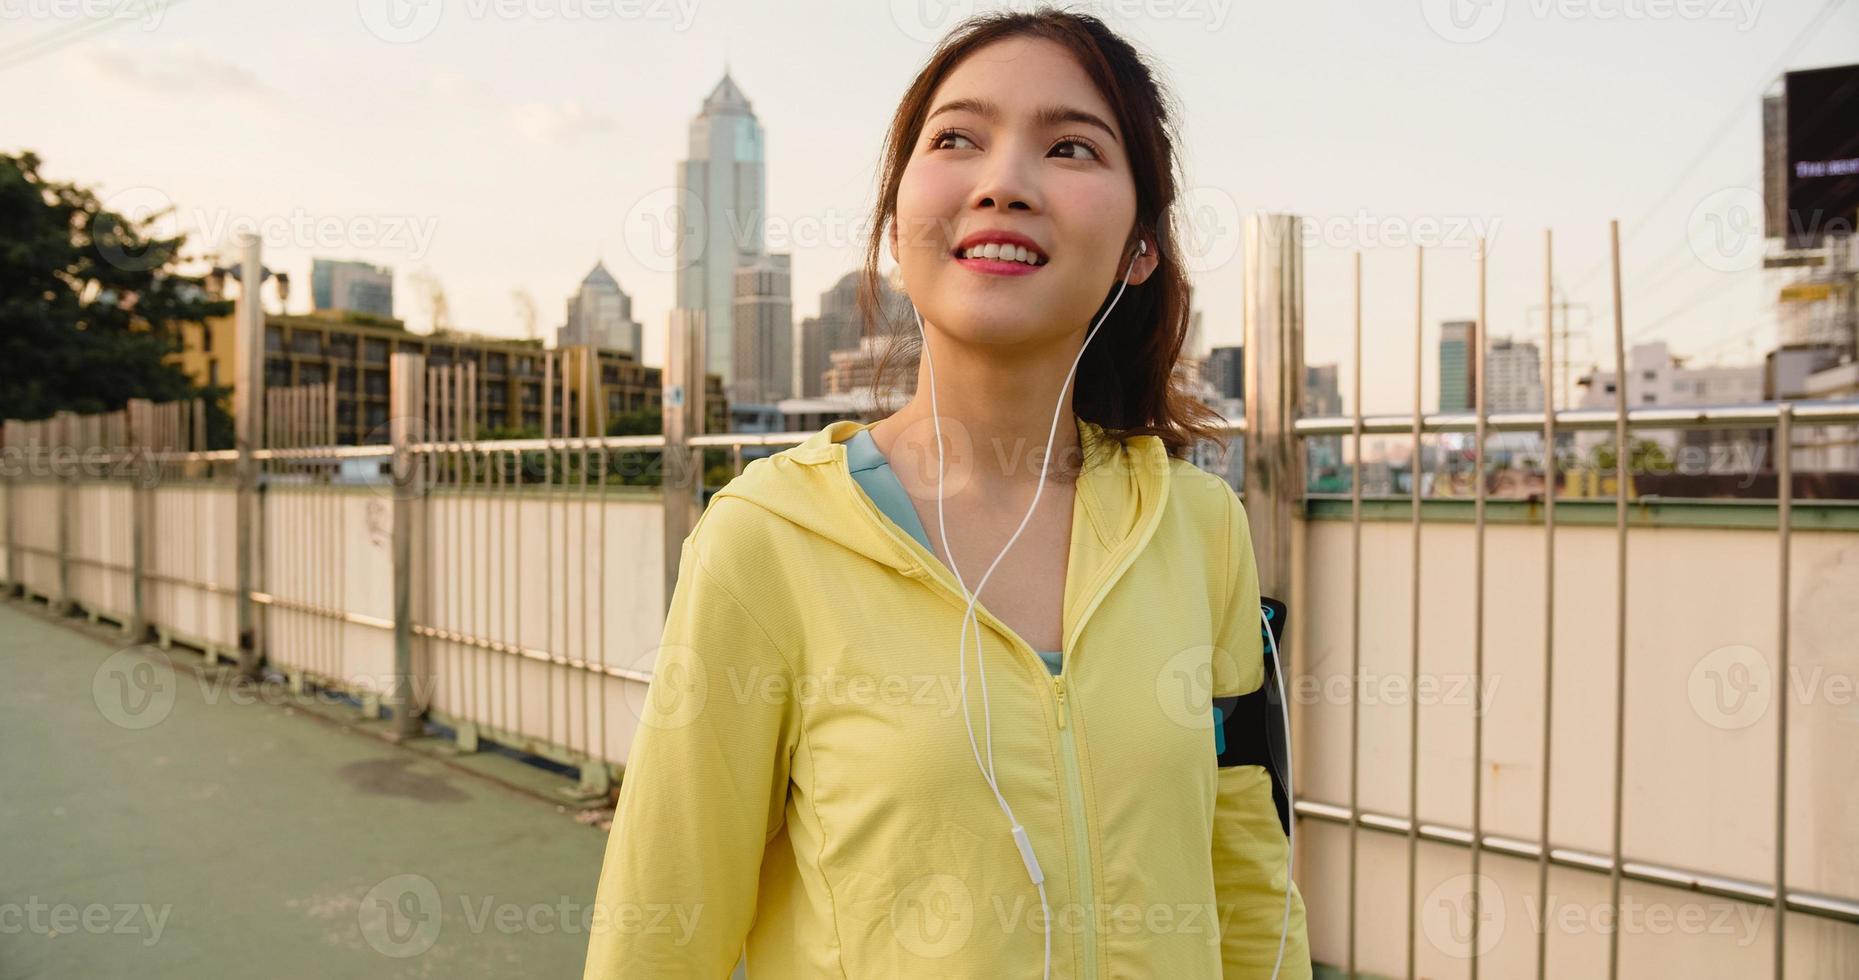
[(1004, 253)]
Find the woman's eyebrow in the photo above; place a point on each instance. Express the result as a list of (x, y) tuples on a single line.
[(1050, 115)]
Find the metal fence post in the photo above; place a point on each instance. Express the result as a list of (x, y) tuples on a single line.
[(407, 400), (17, 464), (683, 411), (9, 577), (64, 444), (1274, 346), (248, 399), (141, 419)]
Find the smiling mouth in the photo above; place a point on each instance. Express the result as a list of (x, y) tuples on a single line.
[(999, 260)]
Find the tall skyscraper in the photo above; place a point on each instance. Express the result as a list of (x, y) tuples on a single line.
[(763, 324), (600, 314), (721, 191), (1457, 365), (1514, 376), (357, 287)]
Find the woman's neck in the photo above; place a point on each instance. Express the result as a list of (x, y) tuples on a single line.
[(996, 415)]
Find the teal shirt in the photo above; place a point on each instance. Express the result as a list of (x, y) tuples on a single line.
[(874, 476)]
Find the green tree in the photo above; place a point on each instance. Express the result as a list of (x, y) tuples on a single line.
[(644, 468), (1646, 456), (90, 304)]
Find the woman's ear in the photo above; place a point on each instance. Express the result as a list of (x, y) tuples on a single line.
[(1143, 261)]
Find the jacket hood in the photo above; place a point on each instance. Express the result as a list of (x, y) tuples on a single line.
[(1121, 492)]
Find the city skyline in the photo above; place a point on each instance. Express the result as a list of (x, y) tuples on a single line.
[(572, 131)]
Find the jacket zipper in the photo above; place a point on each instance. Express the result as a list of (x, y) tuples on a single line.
[(1068, 749), (1074, 787)]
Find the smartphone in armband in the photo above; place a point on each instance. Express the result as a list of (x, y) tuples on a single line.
[(1249, 730)]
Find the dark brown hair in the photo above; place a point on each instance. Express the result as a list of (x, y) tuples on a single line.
[(1127, 380)]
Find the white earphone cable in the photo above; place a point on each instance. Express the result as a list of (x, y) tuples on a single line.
[(987, 769)]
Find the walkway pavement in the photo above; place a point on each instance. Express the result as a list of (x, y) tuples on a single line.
[(155, 825)]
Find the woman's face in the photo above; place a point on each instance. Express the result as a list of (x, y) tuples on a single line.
[(1019, 144)]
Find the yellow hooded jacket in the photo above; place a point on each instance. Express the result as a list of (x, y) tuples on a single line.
[(802, 784)]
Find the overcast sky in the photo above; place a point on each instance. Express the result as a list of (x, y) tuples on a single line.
[(505, 145)]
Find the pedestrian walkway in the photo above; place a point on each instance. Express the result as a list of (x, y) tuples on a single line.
[(157, 823)]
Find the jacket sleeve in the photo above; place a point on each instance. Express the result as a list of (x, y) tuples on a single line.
[(705, 788), (1249, 854)]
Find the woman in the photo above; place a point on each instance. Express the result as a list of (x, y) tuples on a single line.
[(869, 751)]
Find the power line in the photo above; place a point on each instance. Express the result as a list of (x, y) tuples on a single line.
[(1723, 128)]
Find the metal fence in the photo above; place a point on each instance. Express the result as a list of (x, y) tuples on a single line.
[(513, 591)]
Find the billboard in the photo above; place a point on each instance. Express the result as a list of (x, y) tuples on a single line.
[(1821, 133)]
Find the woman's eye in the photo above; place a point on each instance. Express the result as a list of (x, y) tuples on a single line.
[(1091, 154), (937, 143)]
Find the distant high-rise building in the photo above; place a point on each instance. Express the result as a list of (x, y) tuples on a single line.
[(600, 314), (1514, 376), (763, 319), (1225, 369), (721, 189), (351, 287), (840, 327), (1457, 364), (1322, 397)]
